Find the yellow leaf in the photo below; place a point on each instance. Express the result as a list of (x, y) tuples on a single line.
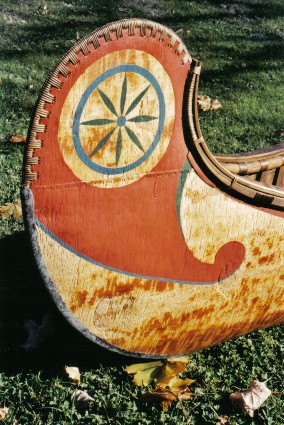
[(73, 373), (145, 377), (141, 366), (178, 384), (207, 104), (11, 209), (3, 413), (144, 373), (251, 399), (169, 387), (171, 368), (179, 359), (160, 371), (20, 138)]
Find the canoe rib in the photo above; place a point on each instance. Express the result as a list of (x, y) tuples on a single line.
[(266, 166), (257, 177)]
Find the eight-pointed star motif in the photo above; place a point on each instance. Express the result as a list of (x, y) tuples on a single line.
[(120, 120)]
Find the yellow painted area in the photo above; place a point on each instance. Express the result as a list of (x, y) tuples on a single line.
[(95, 108), (169, 318), (209, 215)]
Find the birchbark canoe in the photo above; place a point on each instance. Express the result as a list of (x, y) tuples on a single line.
[(150, 244)]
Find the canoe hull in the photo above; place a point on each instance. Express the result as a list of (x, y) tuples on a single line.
[(140, 250)]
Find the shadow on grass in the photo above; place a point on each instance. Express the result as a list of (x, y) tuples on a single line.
[(23, 296)]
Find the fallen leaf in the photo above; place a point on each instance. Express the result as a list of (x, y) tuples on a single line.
[(279, 132), (207, 104), (165, 397), (144, 373), (170, 369), (163, 372), (141, 366), (178, 384), (3, 413), (81, 399), (37, 332), (169, 387), (223, 420), (251, 399), (20, 138), (44, 9), (184, 394), (146, 376), (11, 209), (73, 373)]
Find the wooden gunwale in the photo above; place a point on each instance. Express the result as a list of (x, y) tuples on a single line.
[(244, 167), (225, 169), (265, 153)]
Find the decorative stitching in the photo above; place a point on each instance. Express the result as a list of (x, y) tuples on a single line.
[(109, 32), (64, 186)]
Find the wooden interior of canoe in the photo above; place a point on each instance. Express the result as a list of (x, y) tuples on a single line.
[(263, 165), (256, 176), (149, 244)]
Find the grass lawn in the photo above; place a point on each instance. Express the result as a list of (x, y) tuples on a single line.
[(241, 45)]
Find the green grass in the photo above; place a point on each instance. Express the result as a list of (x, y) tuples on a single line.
[(241, 46), (44, 397)]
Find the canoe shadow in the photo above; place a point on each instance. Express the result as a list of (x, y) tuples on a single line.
[(23, 297)]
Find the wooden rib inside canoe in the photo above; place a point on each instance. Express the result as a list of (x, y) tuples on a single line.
[(256, 176), (264, 165), (149, 244)]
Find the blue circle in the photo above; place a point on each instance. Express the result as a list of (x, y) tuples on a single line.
[(77, 117), (121, 121)]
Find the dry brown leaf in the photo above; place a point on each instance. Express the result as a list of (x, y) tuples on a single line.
[(165, 397), (3, 413), (184, 394), (44, 9), (73, 373), (11, 209), (207, 104), (20, 138), (223, 420), (251, 399), (81, 399), (279, 132)]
